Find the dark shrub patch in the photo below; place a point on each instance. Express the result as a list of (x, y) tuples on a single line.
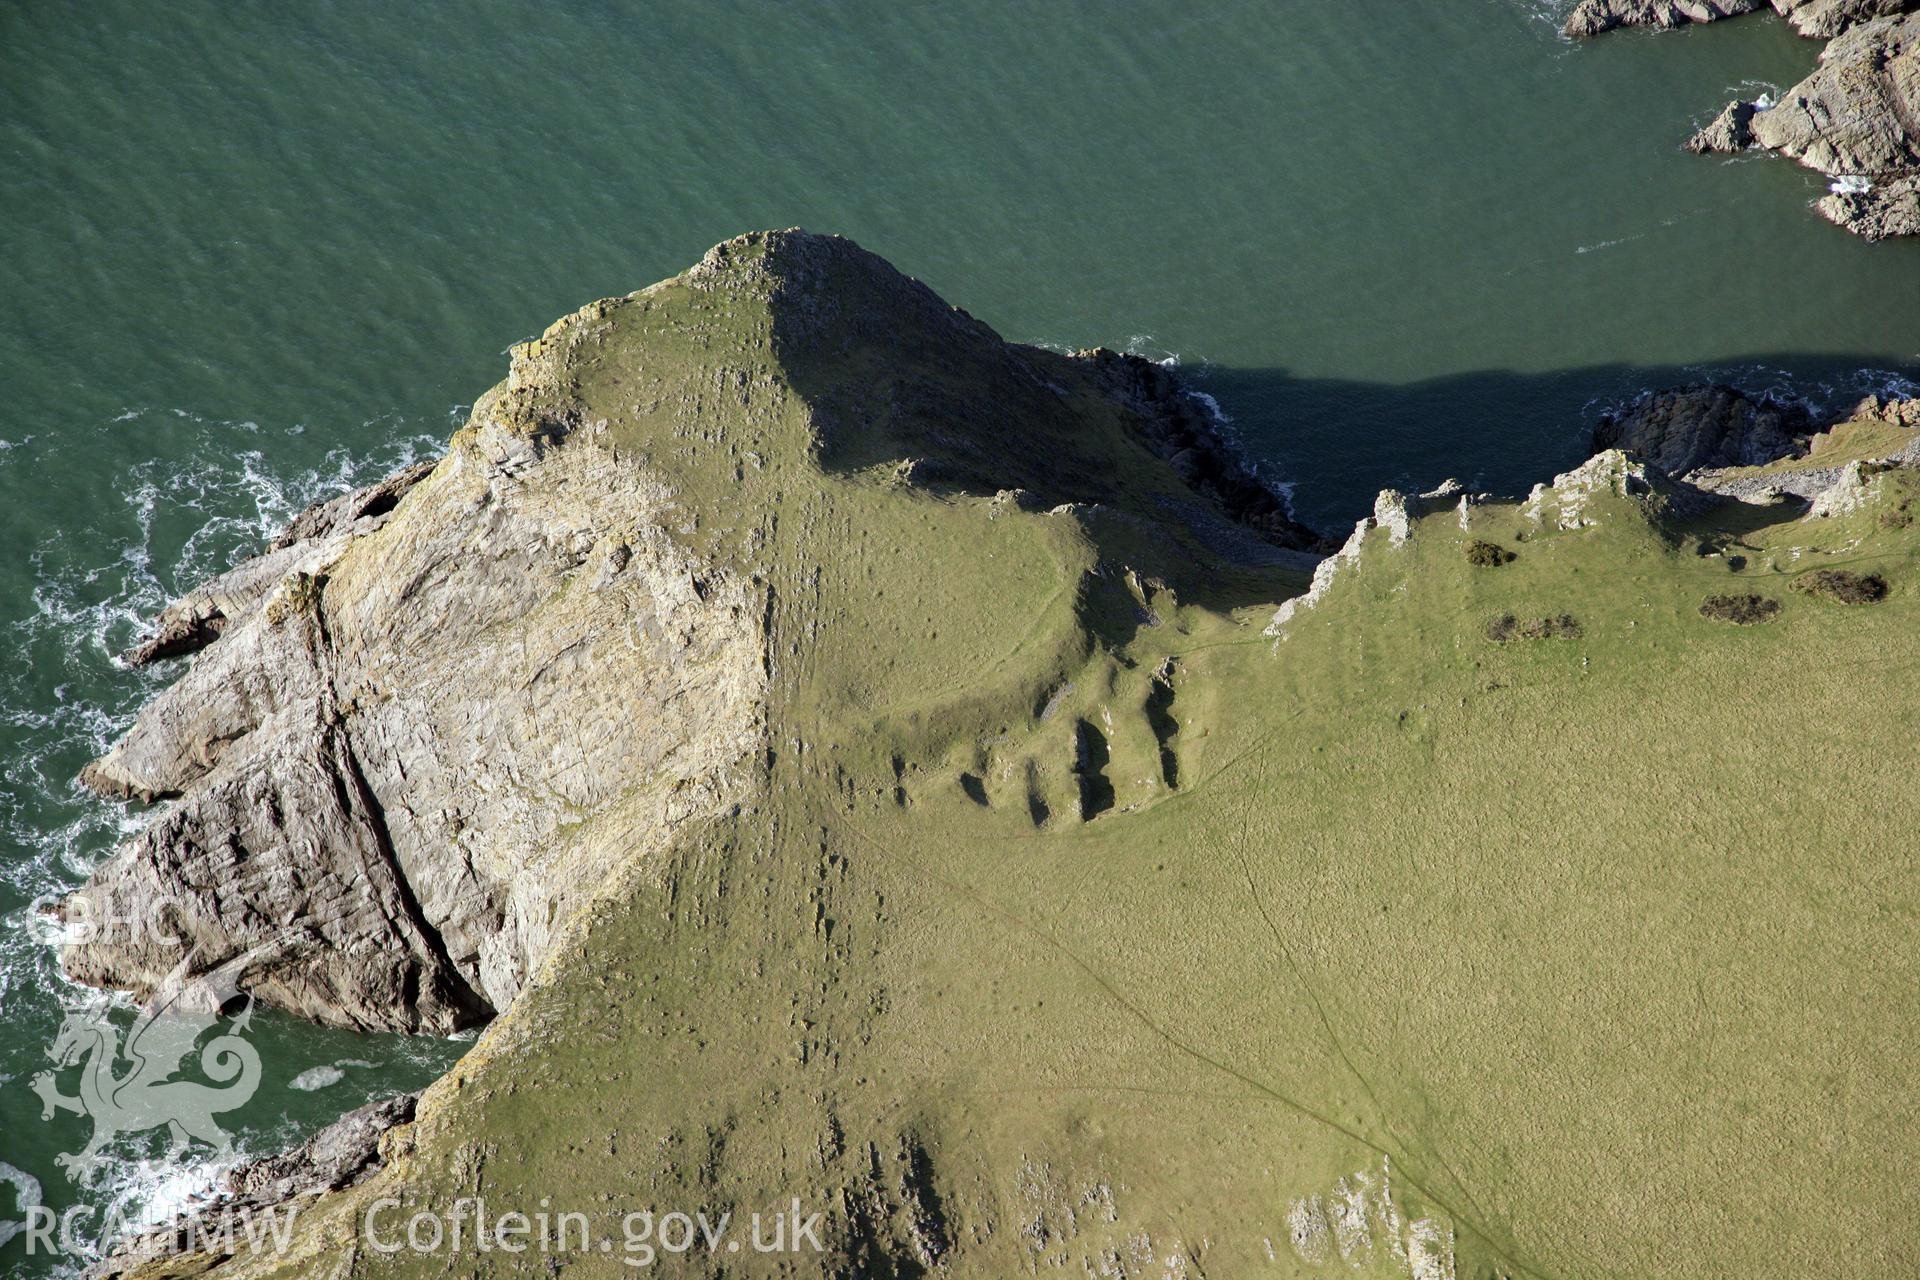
[(1841, 586), (1564, 627), (1742, 611), (1507, 627), (1487, 555)]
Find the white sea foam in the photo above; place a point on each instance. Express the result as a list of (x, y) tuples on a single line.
[(63, 699), (1608, 244), (1146, 347), (314, 1079), (26, 1196), (1212, 406), (1851, 184), (147, 1193)]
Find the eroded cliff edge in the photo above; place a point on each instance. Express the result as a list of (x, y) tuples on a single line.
[(1069, 908)]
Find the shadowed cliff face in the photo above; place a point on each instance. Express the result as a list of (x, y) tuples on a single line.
[(886, 779)]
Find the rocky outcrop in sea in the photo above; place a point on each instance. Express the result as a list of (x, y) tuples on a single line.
[(344, 1154), (1856, 119)]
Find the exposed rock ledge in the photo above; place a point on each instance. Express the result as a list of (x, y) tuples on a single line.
[(344, 1154), (427, 724), (1856, 119)]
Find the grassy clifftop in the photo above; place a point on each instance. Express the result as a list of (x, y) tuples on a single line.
[(1498, 912)]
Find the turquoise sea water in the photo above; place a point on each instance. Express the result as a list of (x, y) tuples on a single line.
[(250, 253)]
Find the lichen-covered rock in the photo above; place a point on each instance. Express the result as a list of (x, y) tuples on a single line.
[(1854, 116), (1875, 211), (1847, 494), (1390, 513), (1891, 410), (1578, 499), (1394, 512), (1323, 578), (1824, 19), (1856, 119)]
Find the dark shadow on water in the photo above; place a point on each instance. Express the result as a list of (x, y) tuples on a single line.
[(1340, 442)]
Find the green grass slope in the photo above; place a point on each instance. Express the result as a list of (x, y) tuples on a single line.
[(1487, 919)]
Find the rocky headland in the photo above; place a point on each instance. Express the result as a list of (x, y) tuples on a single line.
[(1856, 119), (434, 716), (838, 752), (1817, 18)]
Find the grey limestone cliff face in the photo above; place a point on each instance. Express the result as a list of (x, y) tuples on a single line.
[(378, 763)]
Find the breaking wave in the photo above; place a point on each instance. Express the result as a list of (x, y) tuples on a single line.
[(129, 533)]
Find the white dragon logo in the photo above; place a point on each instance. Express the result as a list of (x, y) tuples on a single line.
[(146, 1096)]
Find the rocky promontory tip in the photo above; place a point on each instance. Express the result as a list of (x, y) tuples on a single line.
[(1816, 18), (344, 1154), (1855, 119), (842, 746)]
